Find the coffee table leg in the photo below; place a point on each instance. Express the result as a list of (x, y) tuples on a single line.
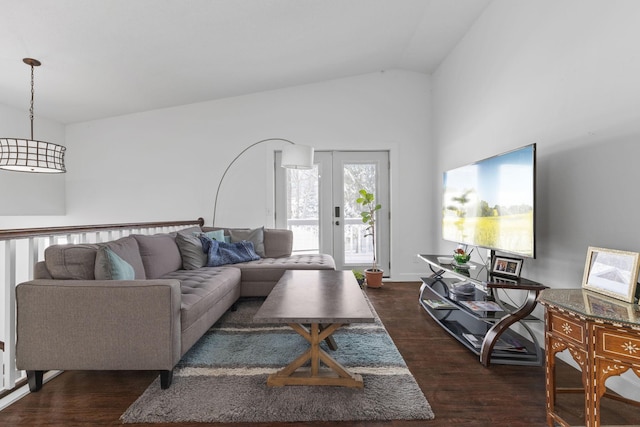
[(331, 342), (334, 375)]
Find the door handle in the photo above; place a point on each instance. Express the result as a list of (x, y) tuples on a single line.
[(336, 211)]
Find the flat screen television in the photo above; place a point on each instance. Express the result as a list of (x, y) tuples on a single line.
[(492, 203)]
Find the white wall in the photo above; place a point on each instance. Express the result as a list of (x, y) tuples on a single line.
[(166, 164), (29, 193), (562, 74)]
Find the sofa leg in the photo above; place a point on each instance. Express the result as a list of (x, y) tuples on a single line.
[(234, 307), (34, 378), (166, 377)]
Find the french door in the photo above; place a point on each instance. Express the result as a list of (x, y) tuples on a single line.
[(319, 206)]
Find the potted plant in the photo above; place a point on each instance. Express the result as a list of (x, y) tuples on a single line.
[(359, 275), (367, 201)]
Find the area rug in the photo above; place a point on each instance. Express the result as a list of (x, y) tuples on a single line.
[(223, 378)]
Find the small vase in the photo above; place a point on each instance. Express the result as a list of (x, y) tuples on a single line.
[(461, 259), (374, 278)]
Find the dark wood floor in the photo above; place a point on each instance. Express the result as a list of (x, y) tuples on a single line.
[(460, 390)]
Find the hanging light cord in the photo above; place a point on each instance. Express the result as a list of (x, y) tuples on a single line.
[(31, 106)]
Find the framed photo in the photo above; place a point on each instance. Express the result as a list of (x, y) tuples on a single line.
[(602, 306), (611, 272), (505, 266)]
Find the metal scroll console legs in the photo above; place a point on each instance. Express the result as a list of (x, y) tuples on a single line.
[(505, 323)]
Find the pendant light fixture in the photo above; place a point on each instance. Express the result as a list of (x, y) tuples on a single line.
[(30, 155)]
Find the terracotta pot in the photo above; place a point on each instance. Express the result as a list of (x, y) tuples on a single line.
[(374, 278)]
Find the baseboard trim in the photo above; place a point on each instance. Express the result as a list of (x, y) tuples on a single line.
[(23, 390)]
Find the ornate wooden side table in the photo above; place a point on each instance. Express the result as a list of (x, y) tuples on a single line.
[(602, 336)]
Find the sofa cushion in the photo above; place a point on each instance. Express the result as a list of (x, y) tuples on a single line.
[(255, 236), (160, 254), (127, 248), (203, 288), (272, 269), (75, 262), (109, 266), (193, 257)]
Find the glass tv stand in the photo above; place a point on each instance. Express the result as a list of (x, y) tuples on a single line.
[(466, 304)]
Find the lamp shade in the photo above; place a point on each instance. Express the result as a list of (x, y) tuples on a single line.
[(296, 156), (30, 155), (27, 155)]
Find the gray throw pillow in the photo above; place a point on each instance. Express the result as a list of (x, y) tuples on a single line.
[(190, 246), (255, 236), (160, 254), (71, 261)]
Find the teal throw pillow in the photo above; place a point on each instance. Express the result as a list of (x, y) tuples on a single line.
[(109, 266), (217, 235)]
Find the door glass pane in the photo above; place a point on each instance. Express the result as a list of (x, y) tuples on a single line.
[(358, 249), (303, 209)]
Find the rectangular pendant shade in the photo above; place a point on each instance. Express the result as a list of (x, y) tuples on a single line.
[(296, 156)]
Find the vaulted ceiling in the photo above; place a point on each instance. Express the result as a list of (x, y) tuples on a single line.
[(103, 58)]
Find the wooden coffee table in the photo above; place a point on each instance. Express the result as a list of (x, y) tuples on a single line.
[(315, 303)]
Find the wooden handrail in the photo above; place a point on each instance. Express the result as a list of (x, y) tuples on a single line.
[(19, 233)]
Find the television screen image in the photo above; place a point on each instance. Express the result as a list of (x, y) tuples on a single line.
[(491, 203)]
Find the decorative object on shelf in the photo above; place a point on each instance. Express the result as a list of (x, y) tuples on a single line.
[(359, 275), (367, 201), (294, 156), (461, 256), (461, 269), (507, 266), (30, 155), (463, 288), (611, 272)]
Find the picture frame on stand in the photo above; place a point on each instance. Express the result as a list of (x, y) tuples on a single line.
[(611, 272), (506, 266)]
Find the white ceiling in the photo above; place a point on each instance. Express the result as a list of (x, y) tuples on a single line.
[(103, 58)]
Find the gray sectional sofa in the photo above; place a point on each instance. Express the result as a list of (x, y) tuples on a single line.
[(79, 314)]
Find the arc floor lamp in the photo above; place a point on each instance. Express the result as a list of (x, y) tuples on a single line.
[(294, 156), (30, 155)]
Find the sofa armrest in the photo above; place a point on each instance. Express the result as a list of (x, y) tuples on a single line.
[(98, 325)]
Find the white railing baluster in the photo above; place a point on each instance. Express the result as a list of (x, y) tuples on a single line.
[(33, 256), (8, 356)]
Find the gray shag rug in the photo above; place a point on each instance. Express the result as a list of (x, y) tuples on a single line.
[(223, 378)]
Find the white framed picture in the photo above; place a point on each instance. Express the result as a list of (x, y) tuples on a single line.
[(611, 272)]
